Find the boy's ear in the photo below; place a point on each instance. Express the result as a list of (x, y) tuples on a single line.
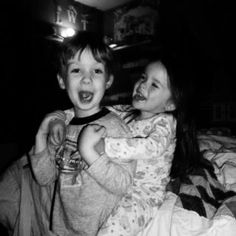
[(109, 81), (61, 82), (170, 107)]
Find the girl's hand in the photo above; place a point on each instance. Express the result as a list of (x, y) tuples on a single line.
[(88, 142), (44, 129)]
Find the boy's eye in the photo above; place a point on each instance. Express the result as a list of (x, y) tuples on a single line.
[(75, 70)]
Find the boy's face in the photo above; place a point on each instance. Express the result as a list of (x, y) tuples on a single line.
[(151, 94), (86, 82)]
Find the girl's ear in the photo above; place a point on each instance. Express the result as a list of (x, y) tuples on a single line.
[(109, 81), (170, 107), (61, 82)]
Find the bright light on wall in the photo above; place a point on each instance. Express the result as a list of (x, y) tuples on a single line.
[(67, 32), (113, 45)]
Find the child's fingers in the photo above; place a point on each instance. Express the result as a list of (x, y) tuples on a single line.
[(101, 131), (97, 127), (60, 115), (57, 115), (61, 133), (56, 139), (52, 139), (57, 132), (94, 126)]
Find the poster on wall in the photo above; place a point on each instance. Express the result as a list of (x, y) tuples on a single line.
[(136, 22)]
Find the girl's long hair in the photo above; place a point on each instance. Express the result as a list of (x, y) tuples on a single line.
[(187, 155)]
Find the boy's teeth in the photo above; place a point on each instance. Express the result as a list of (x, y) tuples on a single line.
[(85, 96)]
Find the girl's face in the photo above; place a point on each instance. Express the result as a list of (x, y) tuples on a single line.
[(151, 94), (86, 82)]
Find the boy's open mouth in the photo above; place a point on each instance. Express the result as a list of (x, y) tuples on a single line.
[(85, 96)]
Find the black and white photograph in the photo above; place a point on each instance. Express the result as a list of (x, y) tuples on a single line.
[(118, 118)]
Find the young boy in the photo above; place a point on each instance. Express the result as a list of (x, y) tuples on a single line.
[(81, 204)]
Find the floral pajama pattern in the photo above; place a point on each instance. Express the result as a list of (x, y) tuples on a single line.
[(152, 145)]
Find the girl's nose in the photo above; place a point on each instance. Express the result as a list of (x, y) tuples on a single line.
[(143, 85)]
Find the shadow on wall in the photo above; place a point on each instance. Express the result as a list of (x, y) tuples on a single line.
[(3, 231), (9, 153)]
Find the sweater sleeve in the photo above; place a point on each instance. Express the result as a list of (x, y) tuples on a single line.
[(44, 166), (115, 176), (149, 146)]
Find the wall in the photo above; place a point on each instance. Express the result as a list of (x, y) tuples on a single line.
[(67, 13), (133, 22), (200, 34), (134, 28), (29, 88)]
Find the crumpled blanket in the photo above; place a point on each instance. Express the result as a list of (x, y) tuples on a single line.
[(204, 203), (172, 220), (221, 152), (201, 192)]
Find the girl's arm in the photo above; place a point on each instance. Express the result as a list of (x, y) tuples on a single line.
[(121, 110), (152, 145)]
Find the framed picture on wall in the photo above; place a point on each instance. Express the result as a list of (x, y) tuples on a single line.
[(135, 22)]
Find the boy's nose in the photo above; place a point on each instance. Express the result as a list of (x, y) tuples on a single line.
[(86, 78)]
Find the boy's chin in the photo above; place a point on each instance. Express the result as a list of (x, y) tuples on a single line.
[(87, 109)]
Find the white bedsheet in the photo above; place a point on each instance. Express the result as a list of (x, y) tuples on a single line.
[(171, 220)]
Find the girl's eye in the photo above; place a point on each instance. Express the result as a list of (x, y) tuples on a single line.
[(155, 85), (98, 71), (142, 78)]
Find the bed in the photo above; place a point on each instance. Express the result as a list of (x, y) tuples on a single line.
[(202, 205)]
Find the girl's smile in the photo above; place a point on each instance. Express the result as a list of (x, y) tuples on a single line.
[(151, 94), (138, 96)]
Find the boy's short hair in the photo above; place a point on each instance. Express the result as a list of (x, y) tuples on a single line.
[(81, 41)]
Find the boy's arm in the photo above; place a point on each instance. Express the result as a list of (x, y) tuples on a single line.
[(113, 175), (42, 155), (43, 166), (147, 147)]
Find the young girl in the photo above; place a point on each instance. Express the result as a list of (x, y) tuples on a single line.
[(152, 122)]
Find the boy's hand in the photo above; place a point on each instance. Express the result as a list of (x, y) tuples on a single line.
[(100, 146), (44, 129), (90, 141), (57, 132)]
